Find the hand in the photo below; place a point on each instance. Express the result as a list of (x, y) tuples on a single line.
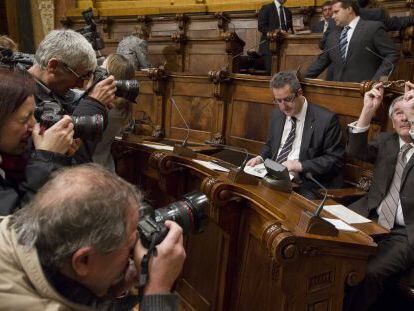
[(57, 138), (373, 98), (293, 166), (77, 142), (104, 92), (166, 266), (254, 161)]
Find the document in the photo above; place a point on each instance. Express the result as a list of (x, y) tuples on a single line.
[(259, 170), (340, 225), (212, 166), (158, 147), (346, 214)]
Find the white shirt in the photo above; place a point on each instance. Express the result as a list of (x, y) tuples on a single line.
[(300, 122), (352, 25), (399, 218), (325, 25), (278, 5)]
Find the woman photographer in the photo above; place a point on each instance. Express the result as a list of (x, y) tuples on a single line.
[(28, 154)]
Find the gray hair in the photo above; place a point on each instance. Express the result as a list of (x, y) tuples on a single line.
[(67, 46), (136, 50), (283, 78), (396, 100), (81, 206)]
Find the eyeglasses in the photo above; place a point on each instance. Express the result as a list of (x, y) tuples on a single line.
[(85, 77), (288, 99)]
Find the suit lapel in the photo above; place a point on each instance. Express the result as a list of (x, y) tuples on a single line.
[(308, 129), (407, 169), (276, 16), (355, 38), (278, 132), (392, 147)]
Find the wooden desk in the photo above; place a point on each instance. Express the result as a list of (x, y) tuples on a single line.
[(252, 255)]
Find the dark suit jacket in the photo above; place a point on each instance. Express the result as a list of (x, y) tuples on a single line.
[(321, 151), (360, 64), (383, 151), (318, 28), (268, 19)]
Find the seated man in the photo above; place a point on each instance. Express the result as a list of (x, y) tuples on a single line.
[(323, 24), (70, 248), (389, 199), (302, 136)]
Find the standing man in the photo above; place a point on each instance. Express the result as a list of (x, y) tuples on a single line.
[(302, 136), (272, 16), (390, 199), (357, 49), (322, 25)]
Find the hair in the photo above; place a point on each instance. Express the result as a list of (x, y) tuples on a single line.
[(326, 3), (391, 109), (8, 43), (67, 46), (283, 78), (348, 4), (81, 206), (15, 87), (136, 50)]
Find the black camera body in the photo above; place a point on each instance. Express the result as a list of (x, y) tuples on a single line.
[(128, 89), (86, 127), (10, 59), (190, 213), (89, 31)]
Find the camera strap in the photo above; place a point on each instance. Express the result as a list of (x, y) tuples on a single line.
[(144, 271)]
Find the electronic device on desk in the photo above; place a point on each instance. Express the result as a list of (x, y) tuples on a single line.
[(277, 177)]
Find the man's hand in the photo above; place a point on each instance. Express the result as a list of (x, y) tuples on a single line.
[(293, 166), (57, 138), (104, 92), (165, 267), (408, 102), (372, 100), (254, 161)]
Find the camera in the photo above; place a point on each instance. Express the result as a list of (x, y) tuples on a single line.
[(89, 31), (128, 89), (10, 59), (190, 213), (88, 127)]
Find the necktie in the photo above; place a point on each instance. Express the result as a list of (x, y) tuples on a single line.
[(282, 18), (287, 146), (343, 42), (388, 206)]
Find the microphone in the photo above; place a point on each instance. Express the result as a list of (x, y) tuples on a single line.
[(182, 149), (237, 175), (309, 176), (384, 59)]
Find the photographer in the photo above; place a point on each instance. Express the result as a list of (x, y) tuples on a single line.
[(73, 251), (23, 170), (66, 60)]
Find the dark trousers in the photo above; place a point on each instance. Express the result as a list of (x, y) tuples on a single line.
[(394, 257)]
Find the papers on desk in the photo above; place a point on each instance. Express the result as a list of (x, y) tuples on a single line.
[(212, 166), (258, 170), (158, 147), (340, 225), (346, 214)]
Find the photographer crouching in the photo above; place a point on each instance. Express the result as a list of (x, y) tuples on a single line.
[(27, 154), (76, 247), (64, 61)]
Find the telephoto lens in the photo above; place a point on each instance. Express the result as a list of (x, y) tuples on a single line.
[(190, 213)]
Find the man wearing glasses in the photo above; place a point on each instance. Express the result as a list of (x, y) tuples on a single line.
[(64, 61), (302, 136)]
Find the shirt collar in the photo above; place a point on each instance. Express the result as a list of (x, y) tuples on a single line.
[(302, 113), (277, 4), (354, 22)]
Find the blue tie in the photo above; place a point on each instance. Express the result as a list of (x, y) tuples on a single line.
[(343, 42)]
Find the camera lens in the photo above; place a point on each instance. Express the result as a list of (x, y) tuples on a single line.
[(190, 212), (128, 89), (89, 127)]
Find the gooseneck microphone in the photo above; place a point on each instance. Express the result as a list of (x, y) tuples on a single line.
[(384, 59), (184, 143), (320, 207)]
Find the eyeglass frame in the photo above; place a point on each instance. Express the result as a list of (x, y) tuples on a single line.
[(85, 77), (285, 100)]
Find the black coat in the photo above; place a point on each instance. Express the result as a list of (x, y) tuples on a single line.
[(321, 150)]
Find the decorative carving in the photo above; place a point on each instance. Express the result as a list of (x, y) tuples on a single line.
[(364, 183), (223, 21), (107, 25), (354, 278), (219, 77), (320, 281), (144, 30), (180, 39), (407, 40), (158, 76), (366, 86), (47, 15), (275, 270), (162, 162), (218, 139), (269, 235), (181, 20), (158, 132)]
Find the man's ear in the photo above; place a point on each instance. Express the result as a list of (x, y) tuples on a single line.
[(81, 261), (52, 65)]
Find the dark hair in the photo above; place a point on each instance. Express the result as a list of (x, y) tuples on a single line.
[(15, 87), (283, 78), (326, 3), (348, 3)]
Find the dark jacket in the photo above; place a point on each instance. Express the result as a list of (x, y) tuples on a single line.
[(360, 64), (268, 19), (14, 194), (321, 151), (383, 151)]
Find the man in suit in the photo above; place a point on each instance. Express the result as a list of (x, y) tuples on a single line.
[(271, 17), (302, 136), (390, 198), (322, 25), (357, 49)]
